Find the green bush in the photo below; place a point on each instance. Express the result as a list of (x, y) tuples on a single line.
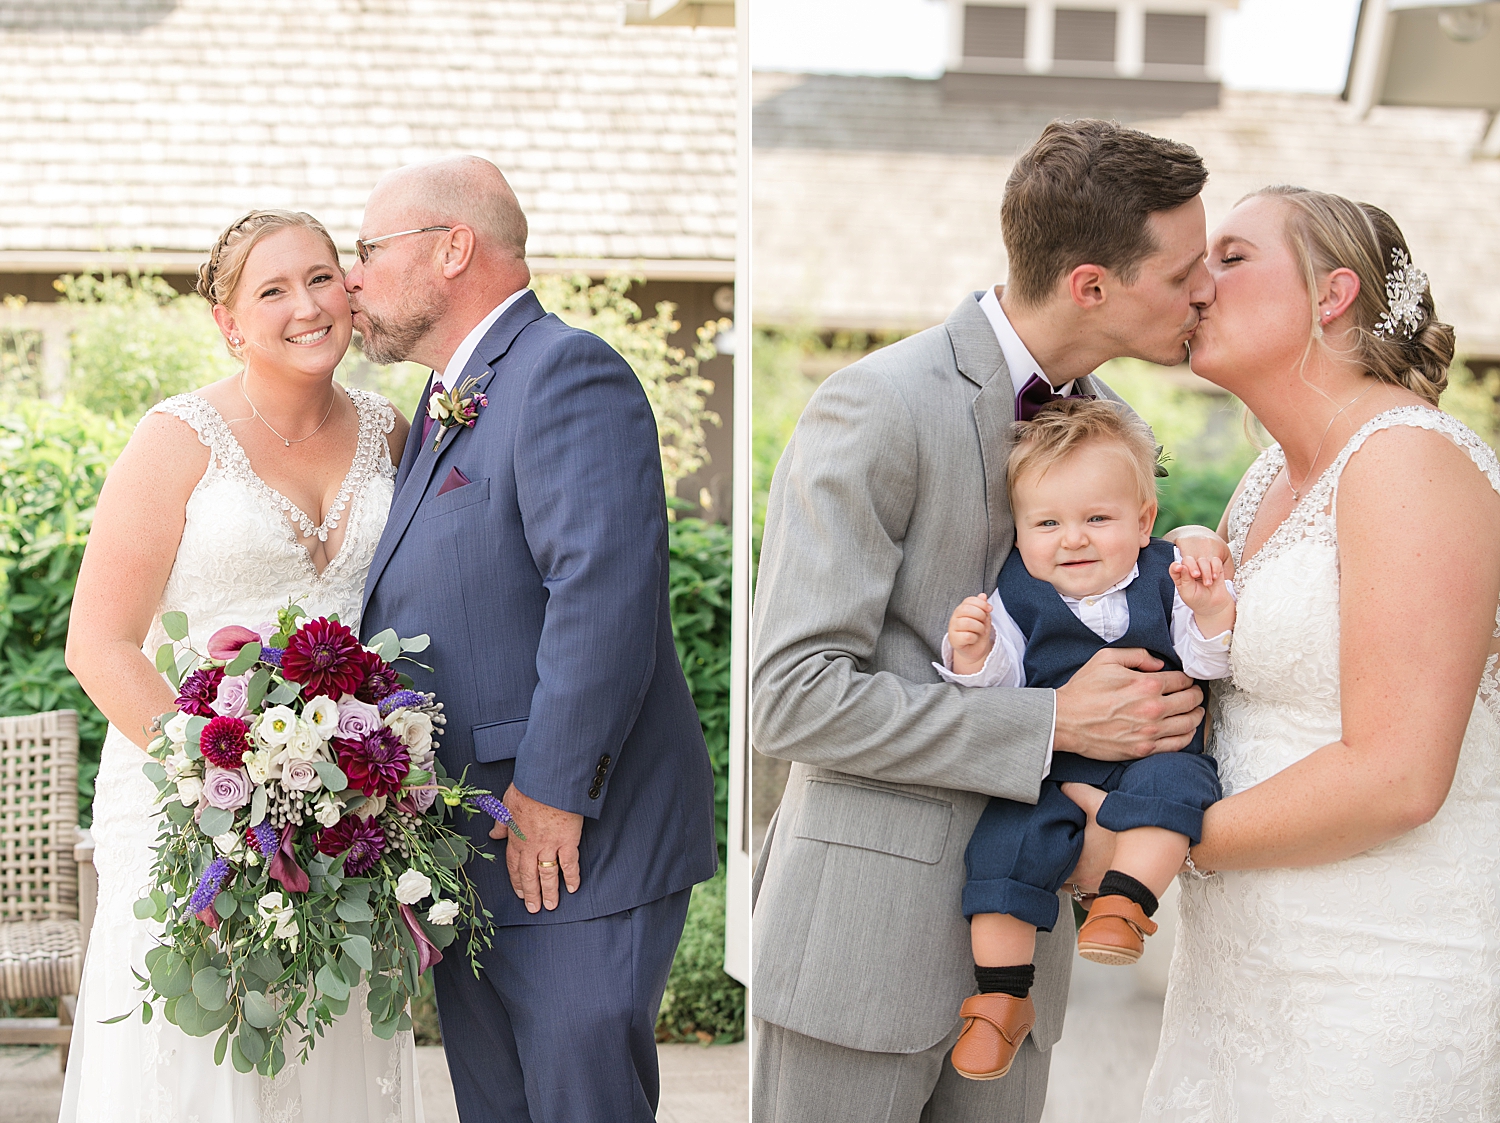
[(52, 460), (702, 1002)]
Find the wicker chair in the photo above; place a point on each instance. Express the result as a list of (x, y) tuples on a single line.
[(41, 938)]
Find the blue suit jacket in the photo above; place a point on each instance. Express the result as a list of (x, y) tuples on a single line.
[(543, 584)]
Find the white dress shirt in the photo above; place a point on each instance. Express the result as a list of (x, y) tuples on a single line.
[(1017, 357), (453, 373)]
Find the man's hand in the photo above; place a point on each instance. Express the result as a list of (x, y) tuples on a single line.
[(550, 847), (1098, 843), (1122, 706)]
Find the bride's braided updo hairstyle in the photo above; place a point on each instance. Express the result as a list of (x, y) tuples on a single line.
[(219, 276), (1328, 232)]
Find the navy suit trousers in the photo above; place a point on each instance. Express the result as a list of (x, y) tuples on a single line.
[(560, 1026), (1020, 855)]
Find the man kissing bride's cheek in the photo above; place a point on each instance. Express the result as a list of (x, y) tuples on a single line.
[(992, 678)]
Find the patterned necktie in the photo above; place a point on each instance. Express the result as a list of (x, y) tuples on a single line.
[(1038, 392), (427, 418)]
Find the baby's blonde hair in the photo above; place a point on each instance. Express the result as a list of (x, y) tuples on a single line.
[(1061, 428)]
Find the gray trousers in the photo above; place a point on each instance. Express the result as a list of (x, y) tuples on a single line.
[(800, 1079)]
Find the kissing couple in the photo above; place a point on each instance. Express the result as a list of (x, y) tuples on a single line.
[(526, 534), (992, 679)]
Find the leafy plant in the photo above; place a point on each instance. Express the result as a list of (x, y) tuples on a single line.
[(674, 387), (138, 341), (702, 1002)]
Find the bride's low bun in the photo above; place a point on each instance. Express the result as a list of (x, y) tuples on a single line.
[(1329, 232)]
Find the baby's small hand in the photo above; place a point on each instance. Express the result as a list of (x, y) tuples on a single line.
[(1198, 544), (970, 634), (1202, 585)]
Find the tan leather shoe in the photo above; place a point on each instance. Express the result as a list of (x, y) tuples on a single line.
[(994, 1027), (1115, 931)]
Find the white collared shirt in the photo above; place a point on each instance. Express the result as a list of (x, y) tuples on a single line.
[(1017, 357), (1107, 615), (453, 372)]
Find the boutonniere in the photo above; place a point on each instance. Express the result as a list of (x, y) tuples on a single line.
[(451, 408)]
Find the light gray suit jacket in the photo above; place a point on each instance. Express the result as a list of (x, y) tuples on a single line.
[(889, 507)]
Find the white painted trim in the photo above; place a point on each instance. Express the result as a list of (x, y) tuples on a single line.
[(1376, 24), (1130, 39), (1041, 20)]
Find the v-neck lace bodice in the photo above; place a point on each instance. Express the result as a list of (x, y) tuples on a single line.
[(241, 556)]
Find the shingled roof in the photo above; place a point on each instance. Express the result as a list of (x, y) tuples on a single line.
[(876, 200), (153, 123)]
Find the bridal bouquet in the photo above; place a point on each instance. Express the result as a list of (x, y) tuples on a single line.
[(303, 845)]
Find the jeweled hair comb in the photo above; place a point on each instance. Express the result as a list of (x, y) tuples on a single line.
[(1405, 285)]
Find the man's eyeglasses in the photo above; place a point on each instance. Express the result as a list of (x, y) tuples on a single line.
[(362, 245)]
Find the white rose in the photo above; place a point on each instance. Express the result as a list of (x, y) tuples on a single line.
[(371, 807), (190, 790), (286, 928), (258, 765), (326, 810), (321, 715), (443, 912), (304, 743), (300, 776), (276, 725), (270, 904), (412, 887), (176, 728), (225, 843), (414, 728)]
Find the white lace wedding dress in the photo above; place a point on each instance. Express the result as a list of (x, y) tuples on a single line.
[(1365, 990), (240, 559)]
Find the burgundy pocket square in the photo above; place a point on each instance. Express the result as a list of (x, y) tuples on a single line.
[(456, 479)]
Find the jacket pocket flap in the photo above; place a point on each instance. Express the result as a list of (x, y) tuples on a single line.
[(498, 740), (889, 822), (476, 492)]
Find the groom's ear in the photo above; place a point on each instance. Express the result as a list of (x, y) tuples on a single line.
[(1086, 286), (457, 250)]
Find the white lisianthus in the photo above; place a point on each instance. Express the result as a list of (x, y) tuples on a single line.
[(258, 765), (178, 765), (227, 842), (414, 728), (276, 725), (412, 887), (326, 809), (442, 912), (321, 715), (189, 790), (176, 728), (371, 807)]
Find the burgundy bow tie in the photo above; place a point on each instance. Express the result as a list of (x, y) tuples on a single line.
[(427, 420), (1038, 392)]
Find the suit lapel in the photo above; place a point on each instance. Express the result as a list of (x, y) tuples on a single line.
[(413, 447), (482, 365), (980, 360)]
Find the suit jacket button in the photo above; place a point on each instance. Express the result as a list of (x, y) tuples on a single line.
[(604, 761), (593, 793)]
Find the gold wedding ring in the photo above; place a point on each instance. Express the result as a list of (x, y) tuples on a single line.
[(546, 865)]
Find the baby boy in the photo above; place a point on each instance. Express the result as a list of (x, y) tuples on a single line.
[(1085, 574)]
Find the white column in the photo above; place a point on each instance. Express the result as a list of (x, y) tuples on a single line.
[(738, 860), (1040, 18), (956, 17), (1130, 39), (1370, 61)]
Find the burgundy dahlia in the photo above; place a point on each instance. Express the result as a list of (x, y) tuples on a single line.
[(325, 657), (380, 679), (199, 690), (224, 742), (361, 841), (375, 764)]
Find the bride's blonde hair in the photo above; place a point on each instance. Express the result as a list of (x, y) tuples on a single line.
[(1328, 232), (219, 276)]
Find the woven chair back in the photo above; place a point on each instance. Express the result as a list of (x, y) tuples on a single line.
[(38, 816)]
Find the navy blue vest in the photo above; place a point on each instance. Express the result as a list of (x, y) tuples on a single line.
[(1058, 643)]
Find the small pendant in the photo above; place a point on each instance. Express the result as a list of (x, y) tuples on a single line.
[(286, 442)]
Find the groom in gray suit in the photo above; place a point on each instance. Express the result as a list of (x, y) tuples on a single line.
[(888, 508)]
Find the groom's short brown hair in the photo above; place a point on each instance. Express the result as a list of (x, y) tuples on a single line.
[(1082, 194)]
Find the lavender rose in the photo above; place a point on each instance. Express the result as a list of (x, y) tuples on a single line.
[(226, 788), (422, 798), (357, 720), (300, 776), (230, 701)]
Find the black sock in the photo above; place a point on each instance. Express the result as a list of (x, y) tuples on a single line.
[(1123, 885), (1015, 981)]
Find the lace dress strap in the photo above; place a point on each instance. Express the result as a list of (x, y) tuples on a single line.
[(213, 431), (1416, 417), (1257, 482)]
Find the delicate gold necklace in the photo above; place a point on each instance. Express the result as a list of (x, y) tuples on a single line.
[(332, 396), (1296, 494)]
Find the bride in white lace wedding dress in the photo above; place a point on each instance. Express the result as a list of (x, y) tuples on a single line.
[(246, 548), (1344, 963)]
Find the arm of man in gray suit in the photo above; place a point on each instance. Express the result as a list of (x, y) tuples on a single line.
[(836, 530)]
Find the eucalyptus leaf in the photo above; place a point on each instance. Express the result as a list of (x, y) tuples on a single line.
[(155, 772), (440, 934), (210, 989), (186, 662), (258, 1010), (145, 1013), (248, 656), (221, 1047), (353, 910), (255, 692), (284, 693), (265, 967), (387, 644), (144, 909), (224, 905), (188, 1016), (215, 821), (338, 1007), (172, 976), (116, 1018), (195, 727), (358, 949), (332, 775), (179, 814), (416, 643), (384, 1030), (258, 800), (331, 983), (252, 1043), (175, 624), (242, 1063), (166, 658)]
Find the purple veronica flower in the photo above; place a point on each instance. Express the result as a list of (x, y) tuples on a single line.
[(401, 699), (209, 885), (494, 809), (271, 655), (266, 840)]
